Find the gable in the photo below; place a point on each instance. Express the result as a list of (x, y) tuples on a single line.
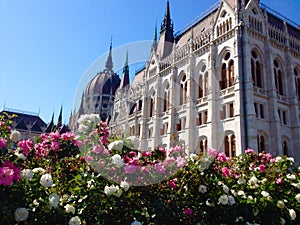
[(225, 20)]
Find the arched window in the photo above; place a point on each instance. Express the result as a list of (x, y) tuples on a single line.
[(261, 143), (150, 132), (203, 144), (203, 82), (166, 98), (297, 82), (229, 145), (226, 146), (285, 148), (200, 87), (278, 77), (183, 90), (256, 70), (151, 104), (227, 72), (232, 146)]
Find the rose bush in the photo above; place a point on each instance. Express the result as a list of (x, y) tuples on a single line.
[(97, 179)]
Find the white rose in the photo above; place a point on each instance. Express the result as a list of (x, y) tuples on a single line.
[(291, 159), (124, 185), (278, 159), (202, 189), (280, 204), (69, 208), (135, 141), (15, 135), (117, 160), (292, 214), (241, 193), (297, 197), (231, 200), (209, 203), (241, 180), (82, 128), (38, 170), (109, 190), (46, 180), (225, 188), (297, 185), (136, 223), (291, 176), (193, 157), (27, 173), (253, 180), (21, 214), (265, 194), (119, 192), (116, 145), (53, 200), (282, 221), (20, 155), (88, 119), (74, 221), (223, 200)]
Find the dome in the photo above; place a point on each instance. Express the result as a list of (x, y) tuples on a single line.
[(105, 82)]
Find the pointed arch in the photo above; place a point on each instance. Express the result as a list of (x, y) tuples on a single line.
[(257, 68), (278, 76), (227, 70), (297, 81), (229, 144), (285, 145), (183, 88), (262, 141)]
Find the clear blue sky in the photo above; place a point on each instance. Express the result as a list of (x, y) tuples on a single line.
[(46, 46)]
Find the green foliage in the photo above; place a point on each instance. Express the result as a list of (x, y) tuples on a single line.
[(247, 189)]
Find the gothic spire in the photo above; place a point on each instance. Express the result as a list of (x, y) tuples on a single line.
[(167, 22), (166, 38), (59, 121), (125, 74), (154, 44), (81, 109), (109, 62), (50, 126)]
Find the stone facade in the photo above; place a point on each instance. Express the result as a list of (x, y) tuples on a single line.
[(229, 81)]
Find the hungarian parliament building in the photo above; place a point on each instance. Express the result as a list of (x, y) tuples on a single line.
[(229, 81)]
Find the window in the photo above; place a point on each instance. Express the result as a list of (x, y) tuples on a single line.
[(202, 118), (203, 145), (282, 114), (285, 148), (297, 82), (166, 101), (229, 145), (132, 130), (278, 77), (151, 103), (150, 132), (139, 130), (181, 124), (164, 129), (151, 106), (256, 70), (227, 72), (183, 90), (259, 110), (203, 83), (140, 105), (261, 143), (227, 111)]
